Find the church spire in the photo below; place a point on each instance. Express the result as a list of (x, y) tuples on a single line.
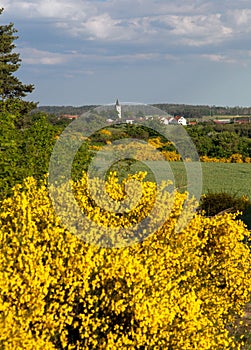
[(118, 108)]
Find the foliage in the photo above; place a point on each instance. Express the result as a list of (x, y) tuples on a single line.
[(219, 144), (37, 144), (215, 202), (175, 290), (11, 88), (24, 152), (10, 157)]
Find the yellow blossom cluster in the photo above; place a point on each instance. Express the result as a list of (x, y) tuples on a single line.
[(105, 132), (171, 156), (95, 147), (234, 158), (143, 151), (173, 290), (157, 143), (137, 150)]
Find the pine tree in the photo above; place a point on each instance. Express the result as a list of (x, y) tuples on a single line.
[(12, 90)]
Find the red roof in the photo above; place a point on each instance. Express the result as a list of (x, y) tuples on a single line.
[(70, 116)]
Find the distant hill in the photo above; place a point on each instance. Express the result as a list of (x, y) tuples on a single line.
[(199, 111), (59, 110), (188, 111)]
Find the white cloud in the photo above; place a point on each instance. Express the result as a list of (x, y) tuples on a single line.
[(197, 30), (220, 58), (240, 17), (96, 27), (167, 24), (34, 56), (128, 58), (240, 20), (37, 57), (56, 9), (192, 30), (102, 26), (187, 22)]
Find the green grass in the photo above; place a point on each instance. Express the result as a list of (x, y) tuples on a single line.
[(230, 177), (233, 178), (216, 177)]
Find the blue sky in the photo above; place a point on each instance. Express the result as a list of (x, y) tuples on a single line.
[(79, 52)]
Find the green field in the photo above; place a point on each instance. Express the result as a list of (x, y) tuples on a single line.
[(233, 178), (216, 177)]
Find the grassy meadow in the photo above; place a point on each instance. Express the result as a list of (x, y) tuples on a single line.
[(234, 178), (217, 177)]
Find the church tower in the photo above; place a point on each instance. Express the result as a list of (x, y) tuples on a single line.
[(118, 108)]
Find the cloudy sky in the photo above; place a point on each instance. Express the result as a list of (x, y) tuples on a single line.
[(79, 52)]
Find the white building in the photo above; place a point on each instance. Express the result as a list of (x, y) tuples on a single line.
[(177, 120), (182, 121), (164, 120)]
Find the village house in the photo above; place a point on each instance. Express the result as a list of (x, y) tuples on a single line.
[(70, 116), (130, 121), (177, 120), (222, 121)]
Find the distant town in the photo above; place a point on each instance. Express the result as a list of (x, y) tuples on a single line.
[(174, 113)]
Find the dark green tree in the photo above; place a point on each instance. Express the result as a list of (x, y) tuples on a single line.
[(12, 90)]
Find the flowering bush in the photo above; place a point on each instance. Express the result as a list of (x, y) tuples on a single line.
[(105, 132), (171, 156), (175, 290), (234, 158), (157, 143), (143, 151), (213, 159)]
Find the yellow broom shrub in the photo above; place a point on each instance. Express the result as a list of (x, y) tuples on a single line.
[(234, 158), (174, 290), (171, 156)]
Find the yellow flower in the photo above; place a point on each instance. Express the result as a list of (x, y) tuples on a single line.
[(175, 289)]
